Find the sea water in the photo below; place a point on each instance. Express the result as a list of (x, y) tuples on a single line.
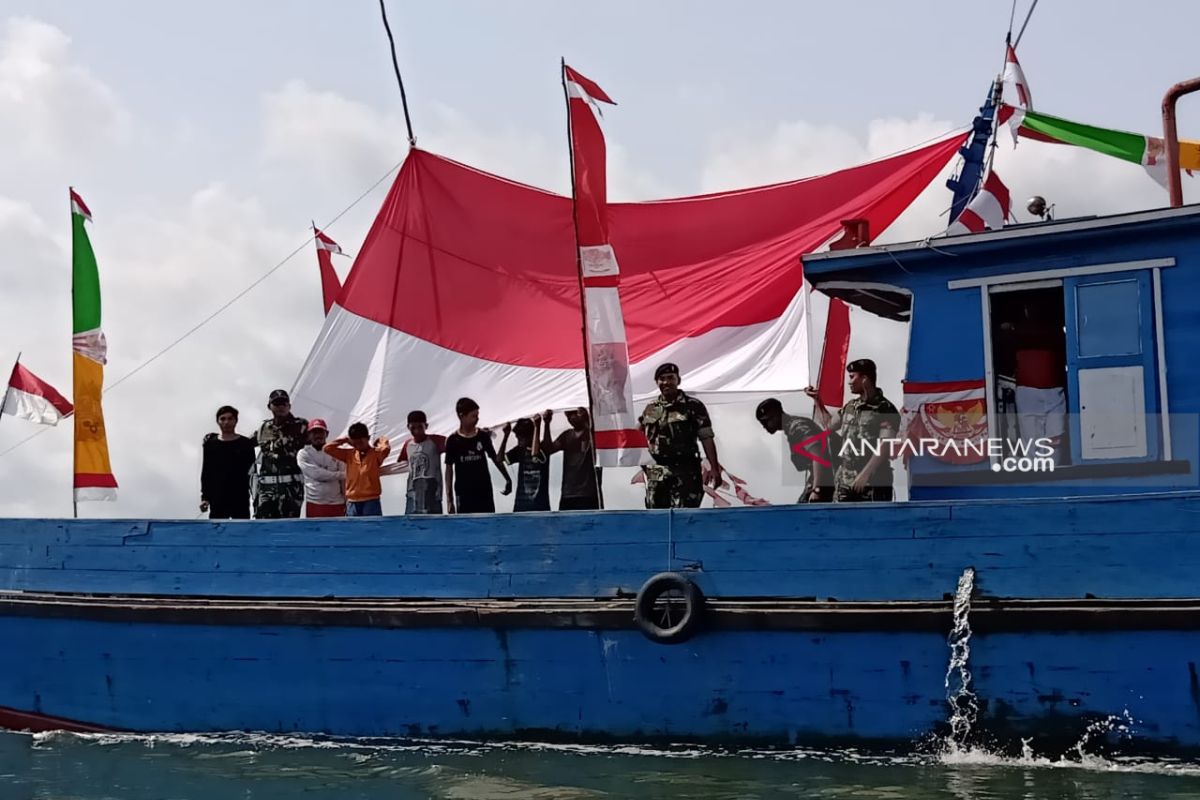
[(245, 766)]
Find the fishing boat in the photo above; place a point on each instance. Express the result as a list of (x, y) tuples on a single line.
[(1004, 601)]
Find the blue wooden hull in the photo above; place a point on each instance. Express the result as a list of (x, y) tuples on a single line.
[(1084, 609)]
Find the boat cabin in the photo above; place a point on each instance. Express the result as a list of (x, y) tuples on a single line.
[(1046, 359)]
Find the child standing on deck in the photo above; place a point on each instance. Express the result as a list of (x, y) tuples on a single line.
[(469, 450), (533, 468), (423, 454), (363, 460)]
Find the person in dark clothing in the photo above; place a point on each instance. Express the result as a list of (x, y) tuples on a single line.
[(228, 458), (533, 468), (580, 475), (469, 449)]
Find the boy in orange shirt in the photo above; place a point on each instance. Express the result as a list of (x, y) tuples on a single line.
[(363, 460)]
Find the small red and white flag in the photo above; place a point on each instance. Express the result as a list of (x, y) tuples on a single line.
[(331, 287), (29, 397), (987, 210), (1014, 80), (1016, 91)]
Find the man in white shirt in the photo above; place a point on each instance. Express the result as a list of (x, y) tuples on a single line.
[(324, 475)]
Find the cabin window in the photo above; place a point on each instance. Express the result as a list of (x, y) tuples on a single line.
[(1074, 355)]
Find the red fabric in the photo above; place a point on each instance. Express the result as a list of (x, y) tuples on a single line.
[(591, 182), (831, 380), (615, 440), (994, 186), (1039, 369), (316, 510), (456, 255), (25, 381), (331, 287), (84, 480), (594, 91), (942, 387)]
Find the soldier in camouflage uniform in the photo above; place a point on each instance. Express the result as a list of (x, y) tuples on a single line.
[(279, 484), (673, 424), (802, 434), (861, 475)]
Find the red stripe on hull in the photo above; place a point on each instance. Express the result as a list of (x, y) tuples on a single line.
[(14, 720)]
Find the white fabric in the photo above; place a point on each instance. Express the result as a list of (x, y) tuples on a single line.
[(1041, 412), (32, 407), (606, 323), (363, 371), (598, 260), (89, 493), (324, 476)]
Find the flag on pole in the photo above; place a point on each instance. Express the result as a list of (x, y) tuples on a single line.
[(93, 473), (330, 285), (618, 436), (29, 397), (1149, 151), (831, 380), (1016, 88), (987, 210)]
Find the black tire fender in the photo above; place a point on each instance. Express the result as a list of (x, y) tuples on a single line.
[(651, 623)]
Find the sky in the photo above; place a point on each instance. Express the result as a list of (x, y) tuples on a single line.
[(205, 137)]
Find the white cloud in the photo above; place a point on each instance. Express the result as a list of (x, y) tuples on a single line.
[(51, 102)]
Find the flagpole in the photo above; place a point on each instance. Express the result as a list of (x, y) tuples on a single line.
[(74, 443), (8, 388), (587, 373)]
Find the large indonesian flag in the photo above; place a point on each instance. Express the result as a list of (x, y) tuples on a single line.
[(617, 434), (93, 473), (31, 398), (467, 285)]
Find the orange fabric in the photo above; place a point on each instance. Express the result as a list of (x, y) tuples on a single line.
[(362, 471)]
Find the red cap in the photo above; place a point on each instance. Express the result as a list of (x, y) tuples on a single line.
[(318, 425)]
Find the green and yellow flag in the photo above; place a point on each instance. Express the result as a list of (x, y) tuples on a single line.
[(93, 473)]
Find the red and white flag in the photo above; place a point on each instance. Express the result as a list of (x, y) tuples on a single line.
[(618, 436), (987, 210), (948, 412), (1016, 91), (330, 285), (29, 397)]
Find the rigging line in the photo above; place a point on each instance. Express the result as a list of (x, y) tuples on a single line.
[(412, 140), (227, 304), (1012, 15), (1026, 22)]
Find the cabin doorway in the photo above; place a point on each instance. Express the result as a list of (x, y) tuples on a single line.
[(1029, 363)]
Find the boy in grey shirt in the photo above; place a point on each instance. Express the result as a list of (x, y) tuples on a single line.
[(424, 456)]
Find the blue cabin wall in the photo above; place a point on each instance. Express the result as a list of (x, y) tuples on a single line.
[(946, 333)]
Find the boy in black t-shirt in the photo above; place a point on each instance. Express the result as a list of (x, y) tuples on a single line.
[(469, 450), (533, 468)]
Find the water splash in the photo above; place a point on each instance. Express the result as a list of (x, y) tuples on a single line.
[(964, 705)]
